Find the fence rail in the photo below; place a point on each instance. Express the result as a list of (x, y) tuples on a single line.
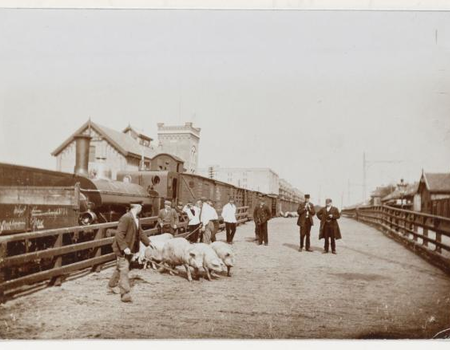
[(87, 247), (425, 233)]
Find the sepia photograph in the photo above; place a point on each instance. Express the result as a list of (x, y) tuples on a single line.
[(212, 170)]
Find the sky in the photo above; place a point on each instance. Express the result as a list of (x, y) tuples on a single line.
[(302, 92)]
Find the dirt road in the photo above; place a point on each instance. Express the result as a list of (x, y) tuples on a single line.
[(373, 288)]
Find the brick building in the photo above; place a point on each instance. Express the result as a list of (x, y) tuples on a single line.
[(112, 151)]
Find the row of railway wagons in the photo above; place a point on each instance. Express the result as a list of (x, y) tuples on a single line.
[(34, 199)]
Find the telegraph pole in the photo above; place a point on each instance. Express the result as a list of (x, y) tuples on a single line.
[(349, 186), (367, 164), (364, 177)]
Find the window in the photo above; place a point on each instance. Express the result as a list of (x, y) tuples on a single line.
[(92, 153)]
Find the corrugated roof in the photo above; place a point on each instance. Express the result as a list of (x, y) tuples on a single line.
[(438, 182)]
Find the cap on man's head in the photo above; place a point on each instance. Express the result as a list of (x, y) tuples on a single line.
[(328, 200), (135, 203), (203, 199), (307, 196), (167, 203)]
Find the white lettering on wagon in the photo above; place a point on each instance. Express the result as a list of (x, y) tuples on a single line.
[(19, 210), (12, 225), (37, 224), (35, 212)]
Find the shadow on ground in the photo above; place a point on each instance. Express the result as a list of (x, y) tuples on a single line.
[(296, 246)]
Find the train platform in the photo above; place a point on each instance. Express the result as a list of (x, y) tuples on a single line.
[(373, 288)]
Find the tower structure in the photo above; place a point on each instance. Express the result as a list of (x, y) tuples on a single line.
[(181, 141)]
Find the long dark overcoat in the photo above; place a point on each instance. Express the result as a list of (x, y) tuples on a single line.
[(302, 219), (324, 217), (261, 214), (128, 235)]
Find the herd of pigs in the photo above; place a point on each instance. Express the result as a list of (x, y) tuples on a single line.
[(168, 252)]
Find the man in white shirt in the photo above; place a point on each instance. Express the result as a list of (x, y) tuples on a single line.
[(229, 216), (193, 214), (207, 217), (215, 221)]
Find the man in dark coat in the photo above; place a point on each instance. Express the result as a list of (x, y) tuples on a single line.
[(168, 218), (125, 243), (305, 221), (329, 227), (261, 215)]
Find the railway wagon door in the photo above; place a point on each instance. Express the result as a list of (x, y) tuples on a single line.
[(274, 206), (175, 190)]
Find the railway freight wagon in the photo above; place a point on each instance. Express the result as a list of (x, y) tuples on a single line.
[(182, 187), (33, 199)]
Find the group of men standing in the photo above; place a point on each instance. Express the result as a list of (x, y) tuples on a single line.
[(203, 220), (329, 227)]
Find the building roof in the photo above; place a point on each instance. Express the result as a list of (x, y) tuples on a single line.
[(142, 136), (437, 182), (411, 190), (378, 192), (124, 143)]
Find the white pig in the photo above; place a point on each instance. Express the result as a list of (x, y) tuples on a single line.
[(211, 262), (225, 253), (153, 253), (179, 251)]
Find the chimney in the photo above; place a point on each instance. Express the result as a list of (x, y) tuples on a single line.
[(82, 155)]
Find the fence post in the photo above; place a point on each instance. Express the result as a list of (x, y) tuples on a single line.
[(425, 231), (56, 281), (414, 226), (405, 225), (436, 224), (2, 271), (98, 251)]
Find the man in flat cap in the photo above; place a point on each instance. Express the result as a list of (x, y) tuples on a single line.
[(229, 217), (261, 215), (329, 227), (215, 220), (125, 243), (168, 218), (305, 221), (193, 214), (207, 217)]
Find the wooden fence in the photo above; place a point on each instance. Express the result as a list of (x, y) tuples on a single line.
[(47, 251), (423, 233)]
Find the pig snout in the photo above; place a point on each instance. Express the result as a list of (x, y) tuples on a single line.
[(195, 259)]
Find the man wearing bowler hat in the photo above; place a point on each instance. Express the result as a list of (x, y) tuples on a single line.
[(329, 227), (125, 243), (305, 221)]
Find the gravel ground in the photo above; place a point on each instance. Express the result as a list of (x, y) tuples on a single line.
[(373, 288)]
